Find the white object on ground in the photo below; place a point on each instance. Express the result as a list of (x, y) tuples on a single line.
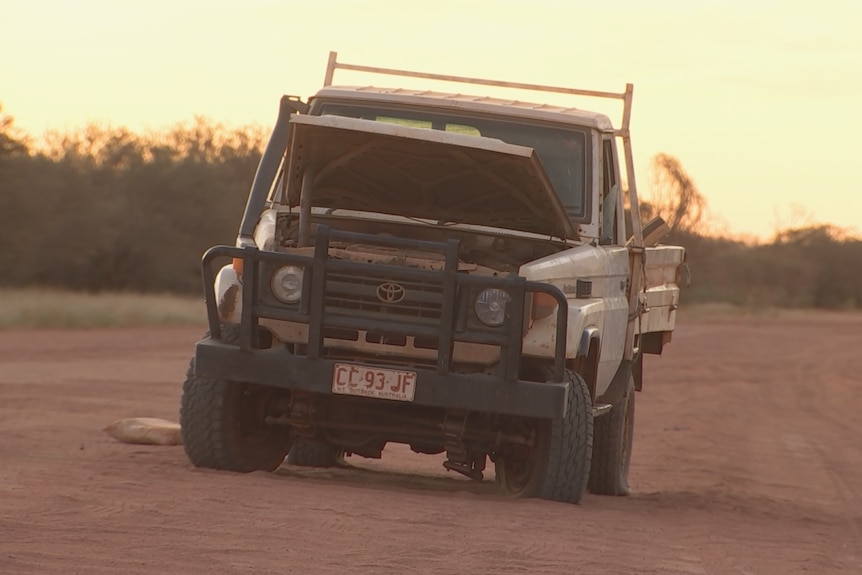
[(145, 430)]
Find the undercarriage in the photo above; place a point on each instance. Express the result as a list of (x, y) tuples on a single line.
[(363, 427)]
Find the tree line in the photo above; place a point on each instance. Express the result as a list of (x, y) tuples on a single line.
[(107, 209), (810, 266)]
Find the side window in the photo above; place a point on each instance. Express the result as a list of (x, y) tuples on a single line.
[(610, 195)]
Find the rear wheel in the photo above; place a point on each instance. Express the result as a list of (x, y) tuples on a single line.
[(557, 464), (313, 453), (612, 446), (223, 425)]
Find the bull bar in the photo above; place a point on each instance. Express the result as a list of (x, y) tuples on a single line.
[(502, 392)]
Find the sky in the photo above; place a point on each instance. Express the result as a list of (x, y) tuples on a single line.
[(760, 100)]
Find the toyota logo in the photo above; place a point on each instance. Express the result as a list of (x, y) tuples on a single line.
[(389, 292)]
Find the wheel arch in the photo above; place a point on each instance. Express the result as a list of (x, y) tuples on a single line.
[(586, 363), (618, 384)]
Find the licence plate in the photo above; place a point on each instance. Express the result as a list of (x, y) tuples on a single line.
[(349, 379)]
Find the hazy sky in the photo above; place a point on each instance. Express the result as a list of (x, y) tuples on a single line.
[(761, 100)]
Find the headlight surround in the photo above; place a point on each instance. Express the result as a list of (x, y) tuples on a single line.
[(543, 305), (287, 284), (490, 306)]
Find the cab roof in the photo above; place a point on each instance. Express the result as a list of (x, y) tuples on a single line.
[(467, 103)]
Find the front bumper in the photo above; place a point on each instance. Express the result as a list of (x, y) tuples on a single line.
[(277, 367)]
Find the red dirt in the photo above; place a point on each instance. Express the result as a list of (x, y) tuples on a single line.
[(747, 460)]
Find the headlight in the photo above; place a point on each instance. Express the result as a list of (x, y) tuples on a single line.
[(490, 306), (287, 284)]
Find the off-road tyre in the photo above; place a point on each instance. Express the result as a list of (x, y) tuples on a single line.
[(313, 453), (557, 466), (222, 425), (612, 446)]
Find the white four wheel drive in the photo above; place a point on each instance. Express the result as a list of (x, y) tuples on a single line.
[(446, 271)]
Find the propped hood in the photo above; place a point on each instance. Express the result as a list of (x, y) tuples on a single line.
[(414, 172)]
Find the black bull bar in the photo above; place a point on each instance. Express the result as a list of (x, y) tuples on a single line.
[(439, 386)]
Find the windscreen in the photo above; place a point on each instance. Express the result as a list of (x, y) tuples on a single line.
[(561, 150)]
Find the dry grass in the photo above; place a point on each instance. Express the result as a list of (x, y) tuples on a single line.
[(47, 308), (64, 309)]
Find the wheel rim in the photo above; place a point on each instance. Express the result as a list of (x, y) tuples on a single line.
[(520, 462), (518, 467), (253, 405)]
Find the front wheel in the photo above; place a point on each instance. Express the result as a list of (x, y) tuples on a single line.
[(557, 464), (223, 424)]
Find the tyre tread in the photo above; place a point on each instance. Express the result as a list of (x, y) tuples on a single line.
[(570, 453)]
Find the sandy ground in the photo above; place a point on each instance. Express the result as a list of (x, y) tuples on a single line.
[(748, 460)]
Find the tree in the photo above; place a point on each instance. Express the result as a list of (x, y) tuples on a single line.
[(12, 142), (675, 197)]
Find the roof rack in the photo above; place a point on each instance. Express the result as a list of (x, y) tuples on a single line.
[(625, 96), (622, 131)]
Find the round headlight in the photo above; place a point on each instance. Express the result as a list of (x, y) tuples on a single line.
[(287, 284), (490, 306)]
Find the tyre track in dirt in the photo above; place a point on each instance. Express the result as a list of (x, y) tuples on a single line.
[(835, 422), (822, 439)]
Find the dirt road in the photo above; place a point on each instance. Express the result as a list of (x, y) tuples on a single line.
[(748, 460)]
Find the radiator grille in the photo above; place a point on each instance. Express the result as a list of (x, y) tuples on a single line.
[(375, 296)]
